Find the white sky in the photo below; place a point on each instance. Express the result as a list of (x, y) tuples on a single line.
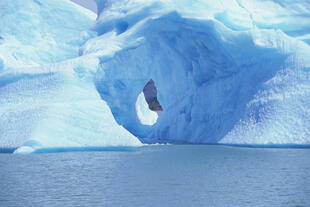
[(89, 4)]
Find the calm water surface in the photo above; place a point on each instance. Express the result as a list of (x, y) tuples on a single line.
[(158, 176)]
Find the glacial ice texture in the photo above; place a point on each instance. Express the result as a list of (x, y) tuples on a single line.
[(224, 74), (233, 72)]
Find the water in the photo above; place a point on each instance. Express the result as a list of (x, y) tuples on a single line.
[(158, 176)]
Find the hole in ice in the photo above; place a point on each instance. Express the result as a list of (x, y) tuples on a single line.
[(150, 94), (148, 107)]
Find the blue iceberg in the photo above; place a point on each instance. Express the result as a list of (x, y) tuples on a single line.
[(229, 72)]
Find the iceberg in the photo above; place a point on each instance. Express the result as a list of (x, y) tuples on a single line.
[(222, 75), (47, 97), (38, 32), (226, 72)]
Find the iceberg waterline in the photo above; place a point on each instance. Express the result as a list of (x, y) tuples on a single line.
[(225, 72)]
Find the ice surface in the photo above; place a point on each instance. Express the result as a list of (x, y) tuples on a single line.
[(223, 72), (56, 105), (39, 32), (234, 72)]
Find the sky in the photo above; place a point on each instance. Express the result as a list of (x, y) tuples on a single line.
[(89, 4)]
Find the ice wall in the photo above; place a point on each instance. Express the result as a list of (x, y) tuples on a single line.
[(51, 106), (223, 72), (57, 106), (234, 72), (40, 32), (289, 16)]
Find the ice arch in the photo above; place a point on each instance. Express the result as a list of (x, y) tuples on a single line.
[(215, 84)]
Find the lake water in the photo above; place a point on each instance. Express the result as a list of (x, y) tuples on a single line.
[(158, 176)]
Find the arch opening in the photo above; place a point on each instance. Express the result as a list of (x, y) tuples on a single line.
[(150, 94), (148, 107)]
